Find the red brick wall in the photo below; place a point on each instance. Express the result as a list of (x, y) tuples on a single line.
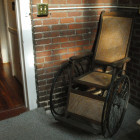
[(62, 34)]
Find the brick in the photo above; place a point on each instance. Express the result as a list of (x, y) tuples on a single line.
[(67, 32), (38, 36), (49, 81), (39, 66), (60, 14), (88, 36), (52, 58), (99, 1), (80, 53), (74, 2), (42, 98), (50, 76), (83, 31), (42, 104), (84, 42), (50, 70), (67, 45), (75, 14), (59, 27), (46, 1), (60, 39), (78, 37), (52, 46), (89, 13), (57, 1), (40, 72), (88, 47), (41, 54), (67, 56), (34, 16), (87, 19), (47, 65), (75, 26), (43, 41), (41, 83), (90, 24), (35, 1), (51, 34), (41, 29), (37, 22), (41, 77), (40, 60), (67, 20), (75, 49), (34, 9), (59, 51), (41, 93), (50, 21), (39, 48)]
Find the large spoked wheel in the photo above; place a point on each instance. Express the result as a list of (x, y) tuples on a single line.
[(59, 91), (118, 104)]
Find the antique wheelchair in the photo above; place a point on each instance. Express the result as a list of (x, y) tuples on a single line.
[(91, 91)]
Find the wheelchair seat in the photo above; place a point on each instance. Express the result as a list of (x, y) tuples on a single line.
[(95, 79)]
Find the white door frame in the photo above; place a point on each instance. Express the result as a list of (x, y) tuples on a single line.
[(24, 29)]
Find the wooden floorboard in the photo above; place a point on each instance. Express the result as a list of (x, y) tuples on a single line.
[(11, 94), (12, 112)]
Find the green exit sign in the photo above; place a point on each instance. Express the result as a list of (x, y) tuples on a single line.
[(42, 9)]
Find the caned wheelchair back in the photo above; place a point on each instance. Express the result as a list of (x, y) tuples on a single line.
[(113, 37)]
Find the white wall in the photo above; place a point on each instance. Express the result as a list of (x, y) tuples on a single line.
[(27, 53), (3, 35)]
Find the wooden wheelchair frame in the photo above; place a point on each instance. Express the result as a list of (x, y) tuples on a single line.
[(78, 92)]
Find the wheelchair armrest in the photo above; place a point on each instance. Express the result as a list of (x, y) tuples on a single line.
[(115, 63), (121, 62), (80, 56)]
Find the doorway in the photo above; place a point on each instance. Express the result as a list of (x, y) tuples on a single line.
[(11, 87)]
